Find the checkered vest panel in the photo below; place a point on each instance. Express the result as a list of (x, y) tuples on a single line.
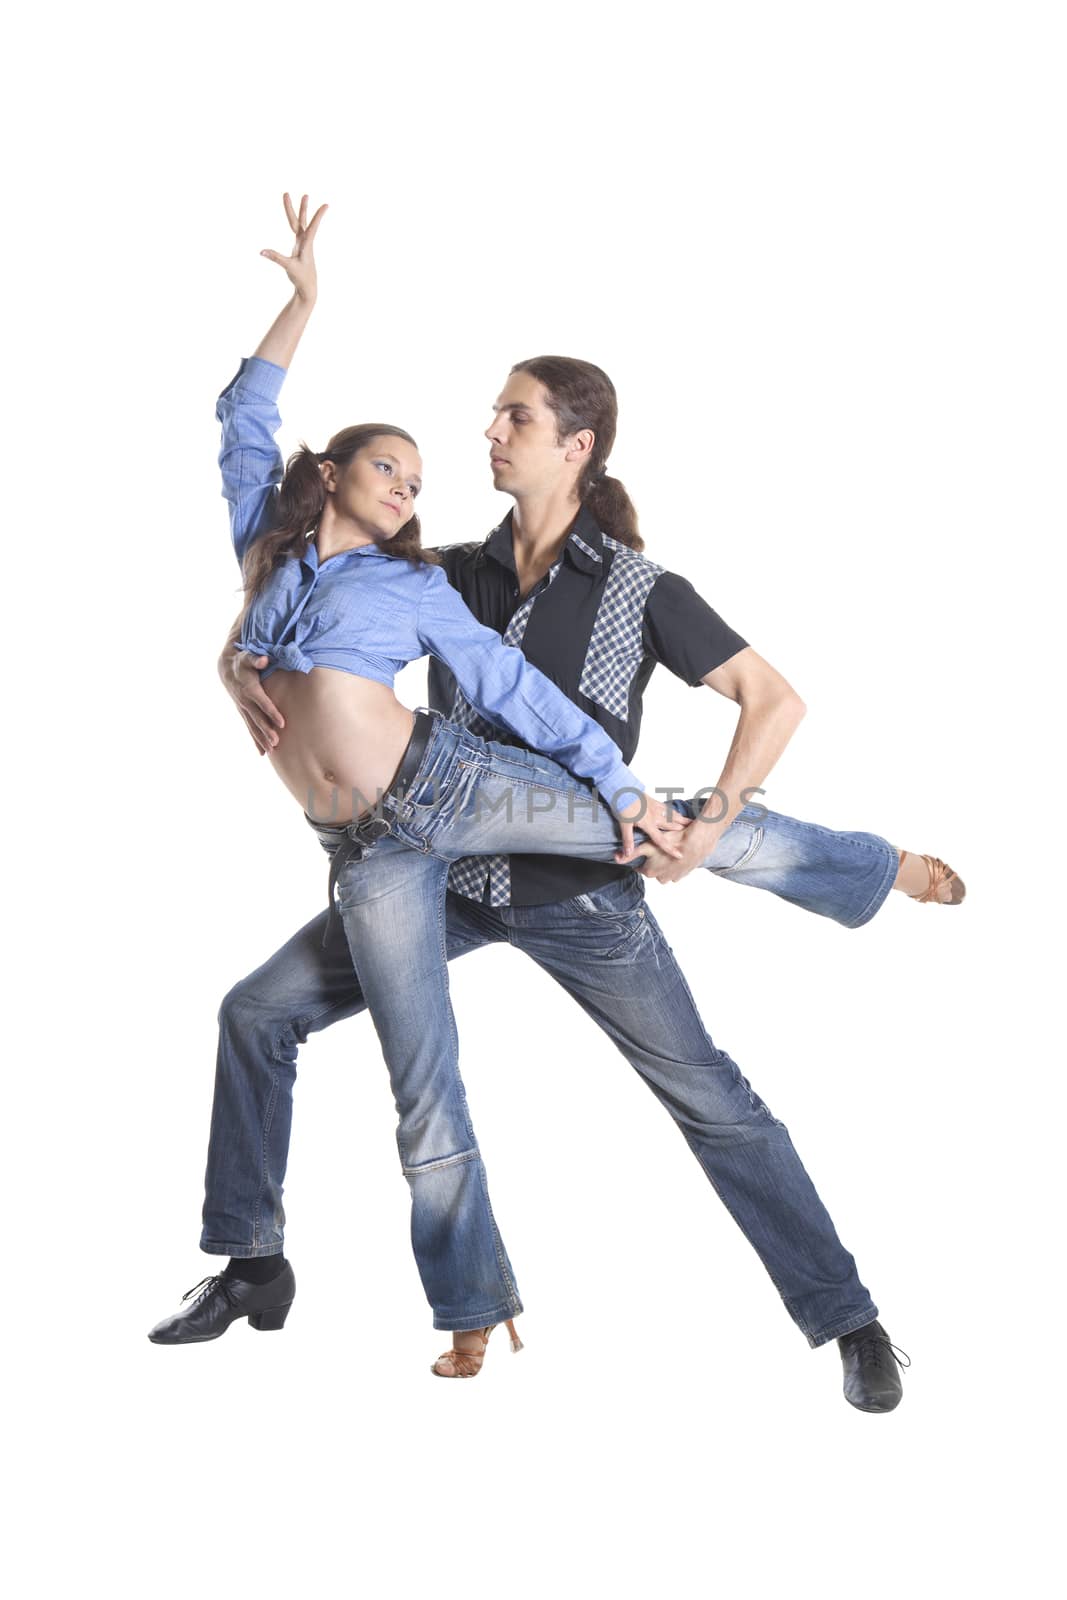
[(615, 647), (469, 875)]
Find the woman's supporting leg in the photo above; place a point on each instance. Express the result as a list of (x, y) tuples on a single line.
[(306, 986), (392, 905)]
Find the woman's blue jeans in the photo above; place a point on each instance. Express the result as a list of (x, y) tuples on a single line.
[(473, 797)]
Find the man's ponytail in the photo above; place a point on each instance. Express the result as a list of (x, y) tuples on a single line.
[(614, 511)]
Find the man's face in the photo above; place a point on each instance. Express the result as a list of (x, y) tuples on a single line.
[(525, 455)]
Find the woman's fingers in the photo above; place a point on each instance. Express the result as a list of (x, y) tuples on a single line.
[(272, 255), (309, 237), (660, 823), (298, 221), (653, 818)]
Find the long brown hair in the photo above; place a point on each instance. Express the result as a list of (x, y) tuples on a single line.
[(583, 396), (301, 500)]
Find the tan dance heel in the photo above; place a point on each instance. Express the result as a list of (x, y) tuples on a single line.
[(468, 1363), (939, 874)]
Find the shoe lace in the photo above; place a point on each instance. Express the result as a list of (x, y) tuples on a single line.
[(870, 1351), (466, 1363), (206, 1285)]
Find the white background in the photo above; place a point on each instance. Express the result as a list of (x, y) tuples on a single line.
[(819, 249)]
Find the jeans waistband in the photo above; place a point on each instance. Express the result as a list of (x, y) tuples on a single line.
[(362, 831), (411, 760)]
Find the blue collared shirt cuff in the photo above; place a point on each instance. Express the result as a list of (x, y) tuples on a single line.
[(622, 782), (258, 378)]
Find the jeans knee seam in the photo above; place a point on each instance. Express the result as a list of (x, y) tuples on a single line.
[(439, 1164)]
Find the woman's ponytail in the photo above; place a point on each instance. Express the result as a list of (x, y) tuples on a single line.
[(301, 493), (298, 505)]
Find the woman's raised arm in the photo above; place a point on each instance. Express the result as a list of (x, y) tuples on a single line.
[(250, 460)]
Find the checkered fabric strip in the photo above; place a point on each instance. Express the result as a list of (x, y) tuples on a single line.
[(593, 554), (615, 646), (468, 876)]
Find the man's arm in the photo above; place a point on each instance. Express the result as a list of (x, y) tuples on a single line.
[(239, 672), (771, 711)]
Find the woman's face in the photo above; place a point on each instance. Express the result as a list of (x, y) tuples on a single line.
[(377, 489)]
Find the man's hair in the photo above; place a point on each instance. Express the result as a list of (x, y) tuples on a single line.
[(583, 396)]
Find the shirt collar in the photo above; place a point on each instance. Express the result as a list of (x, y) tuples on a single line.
[(584, 548), (310, 556)]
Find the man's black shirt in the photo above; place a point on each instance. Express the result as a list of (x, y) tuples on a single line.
[(597, 625)]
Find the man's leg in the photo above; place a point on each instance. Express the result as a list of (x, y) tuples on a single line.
[(607, 951)]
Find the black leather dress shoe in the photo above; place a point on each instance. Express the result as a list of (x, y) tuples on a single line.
[(872, 1382), (222, 1300)]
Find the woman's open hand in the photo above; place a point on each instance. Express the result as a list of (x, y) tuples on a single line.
[(663, 825), (300, 266)]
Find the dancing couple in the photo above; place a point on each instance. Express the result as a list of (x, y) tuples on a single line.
[(507, 812)]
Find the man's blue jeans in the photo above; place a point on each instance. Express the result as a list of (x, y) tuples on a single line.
[(604, 948)]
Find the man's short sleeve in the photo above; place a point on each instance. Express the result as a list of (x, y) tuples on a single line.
[(684, 633)]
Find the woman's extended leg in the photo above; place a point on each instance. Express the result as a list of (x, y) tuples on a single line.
[(392, 906), (472, 797)]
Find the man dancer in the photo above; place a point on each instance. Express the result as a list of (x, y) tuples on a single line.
[(563, 579)]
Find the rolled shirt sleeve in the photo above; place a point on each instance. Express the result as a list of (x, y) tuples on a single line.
[(498, 680), (251, 463)]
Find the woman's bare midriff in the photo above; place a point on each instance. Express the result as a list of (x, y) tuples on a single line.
[(343, 740)]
